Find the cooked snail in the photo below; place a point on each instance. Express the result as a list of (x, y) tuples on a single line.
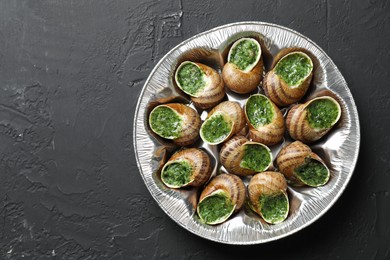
[(202, 83), (242, 157), (290, 78), (223, 121), (188, 167), (223, 196), (268, 197), (310, 121), (176, 122), (266, 122), (244, 68), (301, 166)]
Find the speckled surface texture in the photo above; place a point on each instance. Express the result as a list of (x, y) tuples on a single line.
[(70, 76)]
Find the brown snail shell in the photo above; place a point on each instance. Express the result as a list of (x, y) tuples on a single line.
[(293, 156), (231, 112), (266, 184), (212, 93), (279, 91), (268, 134), (190, 124), (298, 125), (243, 81), (232, 153), (230, 186), (199, 162)]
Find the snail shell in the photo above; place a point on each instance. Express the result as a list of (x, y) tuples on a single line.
[(246, 80), (270, 133), (232, 114), (281, 93), (199, 164), (298, 124), (213, 91), (189, 124), (233, 152), (296, 155), (228, 185), (267, 185)]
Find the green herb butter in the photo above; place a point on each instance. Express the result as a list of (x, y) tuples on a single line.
[(216, 129), (293, 68), (322, 113), (259, 110), (177, 173), (274, 207), (256, 157), (165, 122), (214, 208), (244, 54), (191, 79), (312, 173)]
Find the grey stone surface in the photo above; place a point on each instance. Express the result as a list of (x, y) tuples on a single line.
[(70, 75)]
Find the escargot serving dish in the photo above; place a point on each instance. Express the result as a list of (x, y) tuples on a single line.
[(209, 92)]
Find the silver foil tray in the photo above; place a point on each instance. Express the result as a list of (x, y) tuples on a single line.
[(339, 148)]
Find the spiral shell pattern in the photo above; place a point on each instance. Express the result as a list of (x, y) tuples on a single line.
[(294, 155), (232, 152), (200, 164), (231, 184), (266, 183), (240, 81), (277, 90), (233, 111), (190, 126), (214, 90), (299, 127)]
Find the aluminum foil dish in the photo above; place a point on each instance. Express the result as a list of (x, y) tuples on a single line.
[(338, 149)]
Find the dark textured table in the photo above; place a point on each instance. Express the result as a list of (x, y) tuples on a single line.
[(70, 76)]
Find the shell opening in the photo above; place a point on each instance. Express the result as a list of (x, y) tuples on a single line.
[(166, 122), (245, 53), (190, 78), (294, 68), (312, 172), (257, 157), (177, 174), (215, 208), (274, 208), (216, 129), (323, 112), (259, 110)]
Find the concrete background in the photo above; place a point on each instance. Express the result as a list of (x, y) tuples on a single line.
[(70, 76)]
